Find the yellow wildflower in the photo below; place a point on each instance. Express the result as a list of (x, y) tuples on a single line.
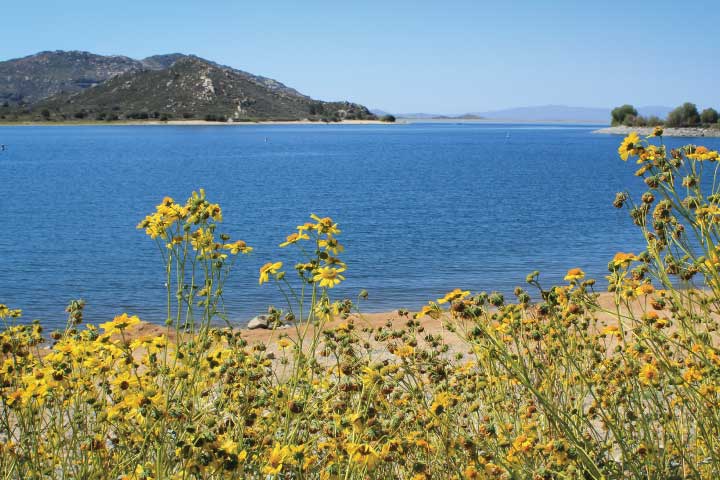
[(238, 247), (629, 146), (325, 225), (692, 374), (454, 295), (441, 402), (611, 330), (120, 323), (294, 238), (431, 310), (267, 270), (331, 245), (404, 351), (702, 153), (574, 274), (328, 276), (623, 259), (363, 454), (649, 374), (277, 457), (644, 289)]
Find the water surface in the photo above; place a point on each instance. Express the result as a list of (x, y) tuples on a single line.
[(424, 208)]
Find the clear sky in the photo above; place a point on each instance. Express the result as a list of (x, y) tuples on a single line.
[(450, 56)]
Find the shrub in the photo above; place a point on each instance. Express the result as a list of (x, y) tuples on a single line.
[(709, 116), (633, 121), (388, 118), (654, 121), (211, 117), (619, 114), (316, 108), (685, 115)]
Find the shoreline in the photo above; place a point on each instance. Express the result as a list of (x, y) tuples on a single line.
[(375, 320), (190, 123), (667, 132)]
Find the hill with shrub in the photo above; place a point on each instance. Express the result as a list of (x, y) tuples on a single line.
[(73, 86)]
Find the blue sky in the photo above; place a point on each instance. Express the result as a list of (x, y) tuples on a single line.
[(452, 56)]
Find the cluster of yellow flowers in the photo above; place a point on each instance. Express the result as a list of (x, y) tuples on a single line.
[(322, 266), (572, 384)]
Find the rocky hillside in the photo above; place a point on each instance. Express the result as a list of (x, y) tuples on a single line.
[(60, 86), (30, 79)]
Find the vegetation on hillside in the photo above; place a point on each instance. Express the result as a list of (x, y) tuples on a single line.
[(27, 80), (541, 390), (686, 115), (164, 87)]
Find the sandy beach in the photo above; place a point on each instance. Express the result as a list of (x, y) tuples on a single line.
[(179, 123), (373, 321)]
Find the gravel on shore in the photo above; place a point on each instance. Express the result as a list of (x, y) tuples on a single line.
[(667, 132)]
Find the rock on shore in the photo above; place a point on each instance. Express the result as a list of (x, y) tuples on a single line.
[(667, 132)]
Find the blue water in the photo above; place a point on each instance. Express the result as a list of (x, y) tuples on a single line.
[(424, 208)]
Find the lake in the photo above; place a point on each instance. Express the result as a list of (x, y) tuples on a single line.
[(423, 208)]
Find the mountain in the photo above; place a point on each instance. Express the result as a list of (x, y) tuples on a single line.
[(543, 113), (32, 78), (193, 88), (77, 85), (563, 113), (161, 62), (378, 112), (437, 116), (550, 113)]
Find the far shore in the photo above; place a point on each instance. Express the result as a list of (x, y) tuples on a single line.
[(188, 123), (667, 132)]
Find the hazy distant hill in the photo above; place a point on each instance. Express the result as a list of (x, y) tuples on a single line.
[(542, 113), (428, 116), (80, 85), (550, 113), (563, 113), (654, 110)]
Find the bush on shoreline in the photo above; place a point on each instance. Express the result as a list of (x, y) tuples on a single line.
[(684, 116), (543, 390)]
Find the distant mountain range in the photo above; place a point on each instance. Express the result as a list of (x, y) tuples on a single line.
[(427, 116), (542, 113), (61, 85)]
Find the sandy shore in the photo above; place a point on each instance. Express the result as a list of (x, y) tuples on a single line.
[(374, 321), (667, 132), (190, 123)]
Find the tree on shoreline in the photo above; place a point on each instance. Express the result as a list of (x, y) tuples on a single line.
[(684, 116), (621, 114), (709, 116)]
